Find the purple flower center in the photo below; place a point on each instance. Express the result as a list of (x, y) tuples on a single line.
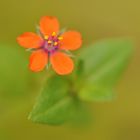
[(51, 43)]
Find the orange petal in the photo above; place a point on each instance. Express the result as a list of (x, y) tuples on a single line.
[(48, 25), (61, 63), (38, 60), (30, 40), (72, 40)]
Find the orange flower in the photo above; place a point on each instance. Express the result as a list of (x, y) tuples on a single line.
[(49, 46)]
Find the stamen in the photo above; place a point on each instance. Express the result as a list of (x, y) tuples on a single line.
[(60, 38), (54, 34), (46, 37), (52, 42), (55, 43), (49, 41)]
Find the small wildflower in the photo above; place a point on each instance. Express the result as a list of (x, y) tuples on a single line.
[(49, 45)]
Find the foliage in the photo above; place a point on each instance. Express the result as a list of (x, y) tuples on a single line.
[(99, 67)]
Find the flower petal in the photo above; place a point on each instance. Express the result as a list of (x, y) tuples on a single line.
[(48, 25), (38, 60), (61, 63), (72, 40), (30, 40)]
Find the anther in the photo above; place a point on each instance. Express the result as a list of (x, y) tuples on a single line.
[(49, 41), (60, 38), (53, 34), (55, 43), (46, 37)]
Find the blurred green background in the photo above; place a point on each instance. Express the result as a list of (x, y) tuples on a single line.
[(95, 19)]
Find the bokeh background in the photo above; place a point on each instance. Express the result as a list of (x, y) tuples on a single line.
[(95, 19)]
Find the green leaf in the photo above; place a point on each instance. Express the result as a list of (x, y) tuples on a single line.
[(97, 93), (104, 63), (56, 104)]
